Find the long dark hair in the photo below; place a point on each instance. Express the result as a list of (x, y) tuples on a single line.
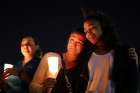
[(109, 35)]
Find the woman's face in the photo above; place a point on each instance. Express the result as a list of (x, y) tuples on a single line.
[(92, 30), (75, 43), (28, 46)]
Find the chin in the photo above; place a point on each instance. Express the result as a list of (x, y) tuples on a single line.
[(93, 42), (25, 54)]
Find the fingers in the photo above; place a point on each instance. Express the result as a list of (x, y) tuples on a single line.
[(7, 72), (49, 82), (6, 76)]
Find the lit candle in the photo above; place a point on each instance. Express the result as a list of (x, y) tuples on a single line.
[(8, 66), (53, 65)]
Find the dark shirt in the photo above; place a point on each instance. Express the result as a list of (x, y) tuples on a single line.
[(76, 79), (124, 73), (30, 67)]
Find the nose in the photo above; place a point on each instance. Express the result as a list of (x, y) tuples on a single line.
[(74, 43), (89, 31), (87, 35), (25, 46)]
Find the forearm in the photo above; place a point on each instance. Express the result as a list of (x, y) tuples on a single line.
[(36, 88)]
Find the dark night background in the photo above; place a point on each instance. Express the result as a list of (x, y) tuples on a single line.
[(52, 21)]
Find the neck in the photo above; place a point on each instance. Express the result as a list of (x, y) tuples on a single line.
[(102, 49), (69, 60), (27, 59)]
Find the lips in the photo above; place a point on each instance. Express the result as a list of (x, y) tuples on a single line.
[(92, 39), (91, 36)]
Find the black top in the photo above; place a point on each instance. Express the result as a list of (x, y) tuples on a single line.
[(125, 72), (76, 78)]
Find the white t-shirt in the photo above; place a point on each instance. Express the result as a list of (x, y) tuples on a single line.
[(99, 70)]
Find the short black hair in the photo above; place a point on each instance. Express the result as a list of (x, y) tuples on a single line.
[(103, 19), (26, 35), (79, 30), (38, 52)]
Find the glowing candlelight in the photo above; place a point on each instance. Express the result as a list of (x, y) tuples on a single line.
[(53, 65), (8, 66)]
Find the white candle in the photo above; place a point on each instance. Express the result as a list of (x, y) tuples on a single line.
[(8, 66), (53, 66)]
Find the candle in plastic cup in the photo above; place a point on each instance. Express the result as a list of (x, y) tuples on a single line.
[(8, 66), (53, 66)]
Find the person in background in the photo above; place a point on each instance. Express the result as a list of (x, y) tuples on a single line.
[(1, 77), (72, 62), (112, 65), (19, 77)]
